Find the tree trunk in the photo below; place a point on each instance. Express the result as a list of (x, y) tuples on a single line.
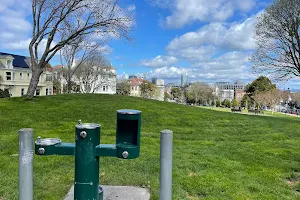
[(34, 82), (69, 86)]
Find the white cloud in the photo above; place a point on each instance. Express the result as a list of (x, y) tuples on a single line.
[(131, 8), (105, 49), (237, 36), (194, 53), (228, 61), (189, 11), (160, 61), (19, 44), (227, 67), (15, 29), (168, 72), (22, 5)]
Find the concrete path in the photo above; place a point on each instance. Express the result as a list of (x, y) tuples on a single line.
[(118, 193)]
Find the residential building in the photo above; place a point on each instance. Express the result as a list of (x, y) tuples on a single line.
[(101, 82), (16, 73), (226, 94), (239, 94), (135, 84), (106, 83)]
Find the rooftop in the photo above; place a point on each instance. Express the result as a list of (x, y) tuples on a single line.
[(18, 61)]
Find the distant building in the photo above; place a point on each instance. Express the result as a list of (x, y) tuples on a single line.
[(239, 94), (107, 81), (230, 91), (184, 79), (226, 94), (103, 83), (158, 82), (132, 76), (123, 77), (160, 85), (135, 84), (16, 73)]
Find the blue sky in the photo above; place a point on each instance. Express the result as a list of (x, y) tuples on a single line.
[(209, 40)]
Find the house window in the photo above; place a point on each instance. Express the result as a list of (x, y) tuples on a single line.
[(46, 91), (9, 64), (21, 76), (48, 77), (22, 91), (28, 76), (8, 76), (37, 92), (13, 75)]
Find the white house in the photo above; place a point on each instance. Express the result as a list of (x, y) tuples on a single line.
[(105, 81)]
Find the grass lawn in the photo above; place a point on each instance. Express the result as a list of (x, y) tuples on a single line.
[(266, 112), (217, 155)]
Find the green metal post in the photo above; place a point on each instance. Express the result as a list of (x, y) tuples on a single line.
[(86, 162), (87, 150)]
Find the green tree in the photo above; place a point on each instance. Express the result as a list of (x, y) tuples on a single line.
[(226, 103), (218, 103), (176, 92), (246, 101), (123, 88), (261, 84), (277, 40), (234, 103), (147, 89), (4, 94)]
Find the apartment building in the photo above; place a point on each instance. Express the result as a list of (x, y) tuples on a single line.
[(226, 90)]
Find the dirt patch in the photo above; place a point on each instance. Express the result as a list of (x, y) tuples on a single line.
[(293, 180), (191, 174), (192, 197)]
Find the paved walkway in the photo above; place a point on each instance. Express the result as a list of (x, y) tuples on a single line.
[(118, 193)]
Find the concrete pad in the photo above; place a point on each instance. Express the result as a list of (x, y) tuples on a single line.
[(118, 193)]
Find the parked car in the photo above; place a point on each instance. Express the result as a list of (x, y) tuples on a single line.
[(283, 110)]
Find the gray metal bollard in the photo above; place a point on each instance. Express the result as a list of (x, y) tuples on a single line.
[(166, 150), (26, 164)]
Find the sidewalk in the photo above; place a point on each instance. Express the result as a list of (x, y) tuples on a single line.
[(118, 193)]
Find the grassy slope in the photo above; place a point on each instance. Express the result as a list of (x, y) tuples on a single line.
[(217, 155)]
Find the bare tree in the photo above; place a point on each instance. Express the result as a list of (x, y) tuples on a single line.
[(147, 89), (123, 87), (268, 98), (273, 97), (196, 91), (260, 98), (74, 55), (278, 41), (62, 22), (93, 73), (295, 96), (201, 92)]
